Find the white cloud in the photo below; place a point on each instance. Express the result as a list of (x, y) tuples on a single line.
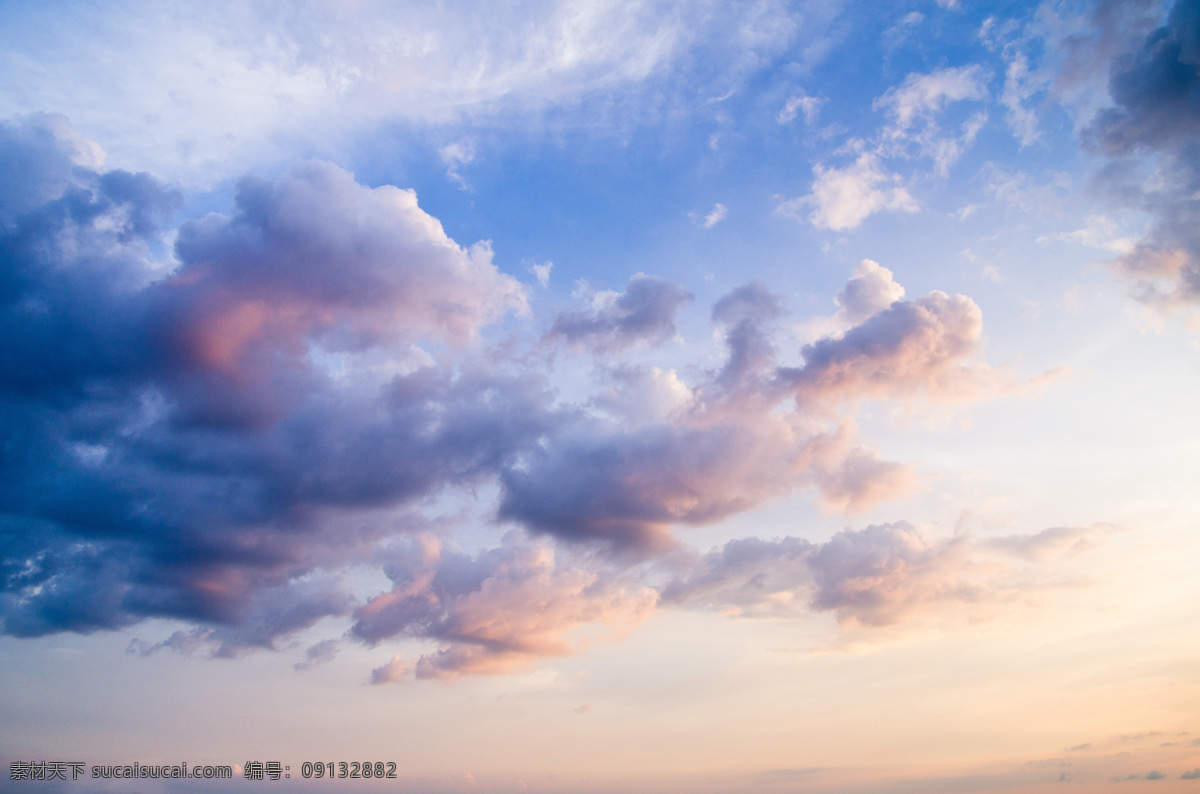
[(871, 290), (454, 157), (716, 216), (542, 272), (808, 105), (1098, 232), (196, 94), (921, 95), (842, 198)]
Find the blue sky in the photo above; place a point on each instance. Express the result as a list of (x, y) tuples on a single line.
[(604, 396)]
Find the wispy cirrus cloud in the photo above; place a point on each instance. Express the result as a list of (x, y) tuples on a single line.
[(326, 74)]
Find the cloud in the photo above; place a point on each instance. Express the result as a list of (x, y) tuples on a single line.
[(920, 96), (747, 313), (628, 489), (542, 272), (320, 653), (1155, 90), (316, 257), (1193, 775), (876, 576), (870, 291), (225, 99), (723, 445), (215, 437), (178, 446), (502, 609), (644, 314), (266, 613), (644, 395), (842, 198), (913, 107), (394, 672), (454, 157), (492, 613), (1047, 543), (923, 346), (808, 106), (1020, 85), (716, 216)]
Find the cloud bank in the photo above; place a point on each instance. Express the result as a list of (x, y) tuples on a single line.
[(215, 431)]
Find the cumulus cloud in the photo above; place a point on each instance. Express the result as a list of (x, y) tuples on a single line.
[(316, 256), (171, 434), (628, 489), (927, 345), (644, 314), (645, 395), (727, 447), (724, 446), (493, 612), (871, 290), (1155, 90), (842, 198), (215, 437)]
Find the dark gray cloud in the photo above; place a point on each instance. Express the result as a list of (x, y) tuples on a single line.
[(1155, 91), (1155, 88), (644, 314)]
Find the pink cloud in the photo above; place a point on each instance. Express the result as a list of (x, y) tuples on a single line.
[(315, 257), (498, 611)]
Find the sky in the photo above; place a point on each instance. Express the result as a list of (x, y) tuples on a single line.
[(602, 397)]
